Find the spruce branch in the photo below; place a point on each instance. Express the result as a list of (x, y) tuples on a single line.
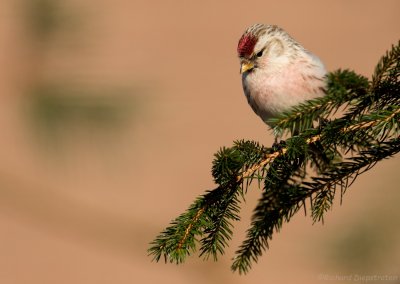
[(344, 86), (280, 201), (387, 67), (305, 170)]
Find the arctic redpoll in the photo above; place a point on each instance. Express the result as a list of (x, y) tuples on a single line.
[(277, 72)]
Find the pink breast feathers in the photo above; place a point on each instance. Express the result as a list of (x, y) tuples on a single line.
[(246, 45)]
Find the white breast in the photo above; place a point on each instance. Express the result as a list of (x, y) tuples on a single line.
[(270, 93)]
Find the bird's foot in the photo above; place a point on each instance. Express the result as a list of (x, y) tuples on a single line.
[(278, 146)]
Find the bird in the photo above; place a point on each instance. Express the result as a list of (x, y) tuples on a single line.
[(277, 72)]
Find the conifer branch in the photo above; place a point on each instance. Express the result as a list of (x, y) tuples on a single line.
[(344, 87), (368, 130), (269, 158), (189, 227), (374, 122), (277, 205)]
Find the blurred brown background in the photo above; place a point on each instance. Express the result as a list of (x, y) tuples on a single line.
[(111, 111)]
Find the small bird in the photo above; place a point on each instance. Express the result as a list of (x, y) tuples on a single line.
[(277, 72)]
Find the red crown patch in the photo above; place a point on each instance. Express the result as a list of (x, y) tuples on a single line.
[(246, 45)]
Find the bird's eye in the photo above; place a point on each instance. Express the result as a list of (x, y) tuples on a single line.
[(260, 53)]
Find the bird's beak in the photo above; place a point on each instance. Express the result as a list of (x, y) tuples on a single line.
[(246, 66)]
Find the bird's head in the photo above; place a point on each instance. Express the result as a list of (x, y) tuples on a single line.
[(263, 46)]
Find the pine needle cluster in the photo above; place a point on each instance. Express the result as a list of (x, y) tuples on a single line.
[(332, 140)]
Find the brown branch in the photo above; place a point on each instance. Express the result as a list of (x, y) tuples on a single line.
[(190, 226), (269, 158), (371, 123), (299, 113)]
